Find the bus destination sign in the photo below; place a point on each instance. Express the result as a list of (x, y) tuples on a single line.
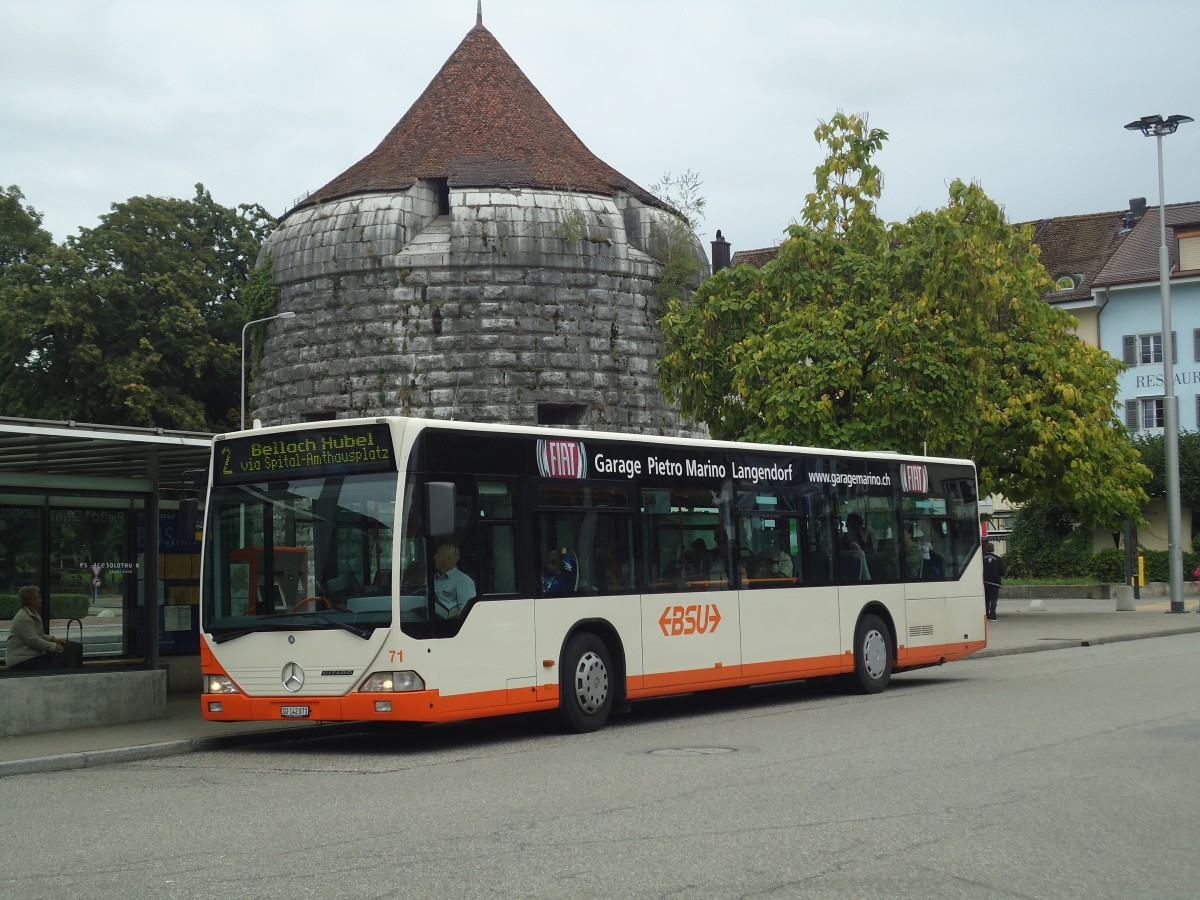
[(309, 453)]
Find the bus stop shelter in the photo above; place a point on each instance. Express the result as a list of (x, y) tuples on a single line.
[(78, 507)]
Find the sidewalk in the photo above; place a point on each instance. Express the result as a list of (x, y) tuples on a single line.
[(1024, 626)]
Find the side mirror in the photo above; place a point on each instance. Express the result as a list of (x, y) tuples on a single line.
[(188, 514), (439, 503)]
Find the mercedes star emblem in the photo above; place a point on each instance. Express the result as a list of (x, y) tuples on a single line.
[(293, 677)]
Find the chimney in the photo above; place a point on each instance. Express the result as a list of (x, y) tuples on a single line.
[(720, 252), (1137, 207)]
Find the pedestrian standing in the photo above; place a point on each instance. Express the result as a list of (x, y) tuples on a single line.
[(993, 575)]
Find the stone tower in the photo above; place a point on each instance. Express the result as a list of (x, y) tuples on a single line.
[(480, 264)]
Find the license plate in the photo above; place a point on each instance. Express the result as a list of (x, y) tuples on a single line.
[(294, 712)]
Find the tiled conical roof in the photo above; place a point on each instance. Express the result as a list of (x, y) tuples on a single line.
[(480, 123)]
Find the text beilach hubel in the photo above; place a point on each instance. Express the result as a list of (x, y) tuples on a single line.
[(328, 450)]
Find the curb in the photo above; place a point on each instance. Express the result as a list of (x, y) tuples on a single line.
[(1068, 643), (87, 758)]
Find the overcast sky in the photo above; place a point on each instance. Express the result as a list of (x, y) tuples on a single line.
[(263, 100)]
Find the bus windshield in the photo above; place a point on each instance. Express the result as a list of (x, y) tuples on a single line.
[(305, 553)]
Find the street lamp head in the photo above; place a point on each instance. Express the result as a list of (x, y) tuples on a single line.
[(288, 314), (1157, 126)]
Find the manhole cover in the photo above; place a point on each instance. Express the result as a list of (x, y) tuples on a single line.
[(691, 751)]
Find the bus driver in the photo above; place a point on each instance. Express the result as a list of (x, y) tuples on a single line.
[(452, 587)]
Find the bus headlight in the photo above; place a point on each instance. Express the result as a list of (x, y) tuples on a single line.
[(391, 682), (219, 684)]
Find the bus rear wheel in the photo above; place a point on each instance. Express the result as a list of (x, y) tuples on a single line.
[(872, 655), (585, 686)]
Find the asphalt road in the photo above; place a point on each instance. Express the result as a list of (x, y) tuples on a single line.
[(1069, 773)]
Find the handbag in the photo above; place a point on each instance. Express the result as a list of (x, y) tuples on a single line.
[(72, 654)]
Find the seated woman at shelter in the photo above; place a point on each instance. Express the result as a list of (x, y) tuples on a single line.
[(560, 572), (28, 647)]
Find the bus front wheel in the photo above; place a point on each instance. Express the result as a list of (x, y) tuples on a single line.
[(872, 655), (585, 686)]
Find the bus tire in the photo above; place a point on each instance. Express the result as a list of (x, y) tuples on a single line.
[(585, 686), (872, 655)]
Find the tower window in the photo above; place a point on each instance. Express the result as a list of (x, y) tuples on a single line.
[(442, 186), (569, 414)]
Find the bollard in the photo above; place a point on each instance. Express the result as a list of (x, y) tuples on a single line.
[(1123, 594)]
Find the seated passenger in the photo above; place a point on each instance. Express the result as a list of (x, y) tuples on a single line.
[(781, 565), (858, 532), (560, 572), (915, 550), (697, 562)]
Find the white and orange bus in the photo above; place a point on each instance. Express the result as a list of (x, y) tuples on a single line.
[(687, 565)]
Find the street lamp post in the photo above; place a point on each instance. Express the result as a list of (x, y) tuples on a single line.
[(1157, 126), (282, 315)]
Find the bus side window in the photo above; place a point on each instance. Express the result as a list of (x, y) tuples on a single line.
[(497, 554), (562, 543)]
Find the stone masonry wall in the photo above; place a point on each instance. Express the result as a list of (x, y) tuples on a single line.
[(514, 299)]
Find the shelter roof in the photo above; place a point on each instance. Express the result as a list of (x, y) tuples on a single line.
[(36, 447), (480, 123)]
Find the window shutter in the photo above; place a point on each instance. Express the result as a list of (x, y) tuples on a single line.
[(1189, 252), (1174, 349), (1129, 349), (1196, 344), (1131, 414)]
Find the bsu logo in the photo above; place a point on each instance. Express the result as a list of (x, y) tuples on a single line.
[(697, 619)]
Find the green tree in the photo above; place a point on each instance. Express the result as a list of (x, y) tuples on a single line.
[(922, 336), (1153, 455), (22, 238), (137, 321), (1046, 543)]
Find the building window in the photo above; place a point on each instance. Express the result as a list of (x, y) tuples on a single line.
[(1146, 349), (1189, 251), (1146, 413), (1149, 349), (1152, 413)]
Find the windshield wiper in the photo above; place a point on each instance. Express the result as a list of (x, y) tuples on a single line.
[(231, 635), (353, 629), (224, 636)]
